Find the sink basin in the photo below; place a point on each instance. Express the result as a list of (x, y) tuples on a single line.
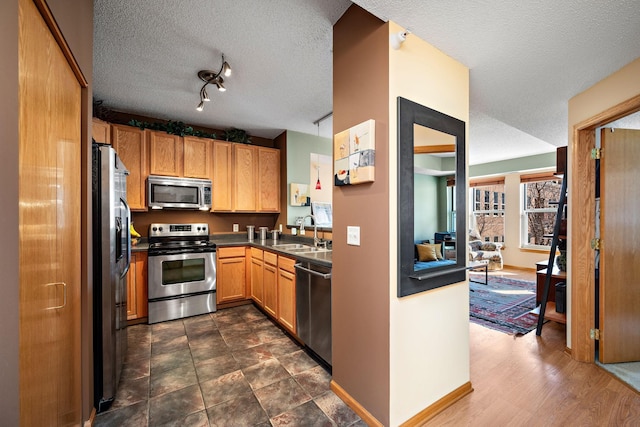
[(290, 246), (307, 249)]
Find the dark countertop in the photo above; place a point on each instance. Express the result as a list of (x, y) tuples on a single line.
[(240, 239)]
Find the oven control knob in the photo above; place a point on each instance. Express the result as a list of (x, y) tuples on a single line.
[(160, 229), (155, 228)]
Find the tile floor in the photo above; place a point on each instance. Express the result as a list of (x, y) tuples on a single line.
[(230, 368)]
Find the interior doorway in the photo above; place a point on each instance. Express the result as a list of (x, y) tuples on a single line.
[(585, 306), (617, 273)]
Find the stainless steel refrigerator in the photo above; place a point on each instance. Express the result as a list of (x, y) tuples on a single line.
[(111, 258)]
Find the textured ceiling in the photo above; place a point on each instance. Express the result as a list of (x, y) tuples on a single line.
[(527, 59)]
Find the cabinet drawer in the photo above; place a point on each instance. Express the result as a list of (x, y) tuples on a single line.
[(256, 253), (235, 251), (286, 264), (270, 258)]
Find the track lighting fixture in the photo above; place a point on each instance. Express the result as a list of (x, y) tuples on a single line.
[(213, 78)]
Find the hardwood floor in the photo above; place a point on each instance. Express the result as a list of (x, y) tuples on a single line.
[(530, 380)]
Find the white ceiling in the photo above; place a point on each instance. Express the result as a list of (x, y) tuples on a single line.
[(527, 59)]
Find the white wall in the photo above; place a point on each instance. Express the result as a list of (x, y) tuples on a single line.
[(429, 331)]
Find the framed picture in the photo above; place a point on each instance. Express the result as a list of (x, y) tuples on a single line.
[(299, 194), (354, 153)]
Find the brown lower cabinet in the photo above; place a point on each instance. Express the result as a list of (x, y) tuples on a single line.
[(137, 293), (273, 286), (270, 283), (231, 275), (287, 293)]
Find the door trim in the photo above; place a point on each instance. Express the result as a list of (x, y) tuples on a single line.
[(581, 190), (47, 15)]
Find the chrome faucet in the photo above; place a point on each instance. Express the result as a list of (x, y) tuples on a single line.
[(315, 229)]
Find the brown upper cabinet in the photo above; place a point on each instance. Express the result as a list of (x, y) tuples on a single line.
[(221, 177), (268, 180), (101, 131), (245, 178), (245, 163), (132, 147), (197, 157), (165, 153)]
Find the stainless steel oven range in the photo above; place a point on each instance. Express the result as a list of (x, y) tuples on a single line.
[(181, 271)]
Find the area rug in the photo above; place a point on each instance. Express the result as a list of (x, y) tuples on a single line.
[(503, 304)]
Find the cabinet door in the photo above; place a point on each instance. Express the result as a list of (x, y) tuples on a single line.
[(137, 294), (230, 285), (131, 145), (197, 157), (244, 165), (287, 294), (101, 131), (221, 200), (165, 153), (270, 283), (256, 276), (268, 180)]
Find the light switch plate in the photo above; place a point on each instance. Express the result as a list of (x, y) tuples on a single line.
[(353, 235)]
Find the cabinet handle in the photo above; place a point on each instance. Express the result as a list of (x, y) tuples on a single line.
[(64, 295)]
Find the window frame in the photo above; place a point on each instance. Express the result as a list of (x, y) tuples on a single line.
[(525, 211), (480, 196)]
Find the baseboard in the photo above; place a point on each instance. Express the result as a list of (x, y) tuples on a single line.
[(355, 406), (567, 350), (440, 405), (517, 267), (418, 419), (92, 418)]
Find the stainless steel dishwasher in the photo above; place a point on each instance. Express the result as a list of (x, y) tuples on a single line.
[(313, 308)]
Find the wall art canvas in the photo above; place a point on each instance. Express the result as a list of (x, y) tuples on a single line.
[(299, 195), (354, 154)]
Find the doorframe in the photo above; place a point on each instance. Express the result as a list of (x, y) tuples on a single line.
[(581, 191)]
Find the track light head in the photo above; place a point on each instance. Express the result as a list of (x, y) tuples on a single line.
[(200, 106), (204, 96)]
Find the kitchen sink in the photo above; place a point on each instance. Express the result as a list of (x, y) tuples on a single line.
[(291, 246), (307, 249)]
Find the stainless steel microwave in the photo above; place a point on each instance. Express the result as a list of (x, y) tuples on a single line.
[(165, 192)]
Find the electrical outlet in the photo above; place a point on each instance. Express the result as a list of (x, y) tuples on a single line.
[(353, 235)]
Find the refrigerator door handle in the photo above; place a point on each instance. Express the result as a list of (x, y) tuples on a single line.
[(128, 225)]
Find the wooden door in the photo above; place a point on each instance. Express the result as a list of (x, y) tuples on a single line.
[(165, 154), (49, 209), (244, 166), (197, 157), (268, 180), (221, 199), (620, 237), (131, 145)]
